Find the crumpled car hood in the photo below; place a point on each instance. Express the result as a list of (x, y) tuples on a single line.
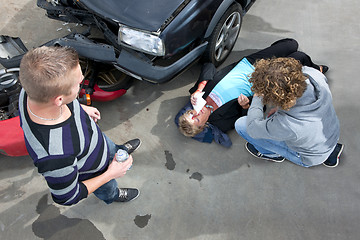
[(147, 15)]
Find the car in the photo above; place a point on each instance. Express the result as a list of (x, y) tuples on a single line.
[(151, 40), (148, 40)]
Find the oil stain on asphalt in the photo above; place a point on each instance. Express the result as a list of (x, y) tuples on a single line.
[(142, 221), (170, 163), (197, 176)]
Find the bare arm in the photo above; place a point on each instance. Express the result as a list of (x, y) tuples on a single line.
[(115, 170)]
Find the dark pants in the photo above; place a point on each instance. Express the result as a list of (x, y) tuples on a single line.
[(283, 48), (109, 191)]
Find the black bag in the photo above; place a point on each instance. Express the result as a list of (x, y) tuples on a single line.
[(9, 93), (11, 51)]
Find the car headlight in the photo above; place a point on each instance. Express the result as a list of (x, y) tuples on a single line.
[(142, 41)]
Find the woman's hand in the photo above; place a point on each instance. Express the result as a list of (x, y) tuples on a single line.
[(244, 101), (92, 112)]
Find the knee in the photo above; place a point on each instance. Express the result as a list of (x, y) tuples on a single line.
[(240, 125), (291, 43), (294, 44)]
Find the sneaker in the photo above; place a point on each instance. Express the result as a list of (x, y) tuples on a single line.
[(324, 68), (127, 194), (132, 145), (253, 151), (333, 159)]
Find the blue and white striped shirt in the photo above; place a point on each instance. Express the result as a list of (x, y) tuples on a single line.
[(66, 153)]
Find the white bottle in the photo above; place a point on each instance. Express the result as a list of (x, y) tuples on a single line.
[(121, 156)]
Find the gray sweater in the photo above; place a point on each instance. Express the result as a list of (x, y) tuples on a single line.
[(310, 127)]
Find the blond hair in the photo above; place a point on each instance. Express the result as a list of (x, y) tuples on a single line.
[(187, 128), (44, 72), (279, 80)]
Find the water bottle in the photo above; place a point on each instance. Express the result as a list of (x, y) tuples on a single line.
[(121, 156)]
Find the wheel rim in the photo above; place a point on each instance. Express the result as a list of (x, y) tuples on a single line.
[(107, 78), (227, 36)]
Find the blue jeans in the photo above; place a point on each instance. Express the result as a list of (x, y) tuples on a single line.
[(112, 146), (109, 191), (267, 146)]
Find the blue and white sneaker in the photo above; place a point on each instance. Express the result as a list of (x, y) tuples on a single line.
[(253, 151)]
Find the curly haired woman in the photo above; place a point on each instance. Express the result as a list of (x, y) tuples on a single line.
[(303, 127), (227, 93)]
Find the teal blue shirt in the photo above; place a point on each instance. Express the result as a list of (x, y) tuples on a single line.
[(236, 82)]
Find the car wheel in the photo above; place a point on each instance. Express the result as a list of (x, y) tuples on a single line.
[(224, 36), (108, 78)]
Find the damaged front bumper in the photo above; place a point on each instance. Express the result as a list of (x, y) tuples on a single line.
[(126, 60)]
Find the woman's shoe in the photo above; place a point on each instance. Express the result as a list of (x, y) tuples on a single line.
[(324, 68)]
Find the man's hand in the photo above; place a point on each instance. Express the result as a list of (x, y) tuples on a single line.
[(194, 96), (244, 101), (199, 90), (119, 169), (115, 170), (92, 112)]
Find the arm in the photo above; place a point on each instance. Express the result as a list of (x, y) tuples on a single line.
[(92, 112), (208, 72), (67, 189), (201, 86), (193, 97), (273, 127), (256, 127)]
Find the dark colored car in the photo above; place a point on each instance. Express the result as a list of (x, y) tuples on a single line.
[(152, 40)]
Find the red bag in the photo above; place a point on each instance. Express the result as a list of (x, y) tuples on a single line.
[(12, 141)]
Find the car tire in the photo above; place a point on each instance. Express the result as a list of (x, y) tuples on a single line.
[(114, 80), (108, 79), (223, 38)]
